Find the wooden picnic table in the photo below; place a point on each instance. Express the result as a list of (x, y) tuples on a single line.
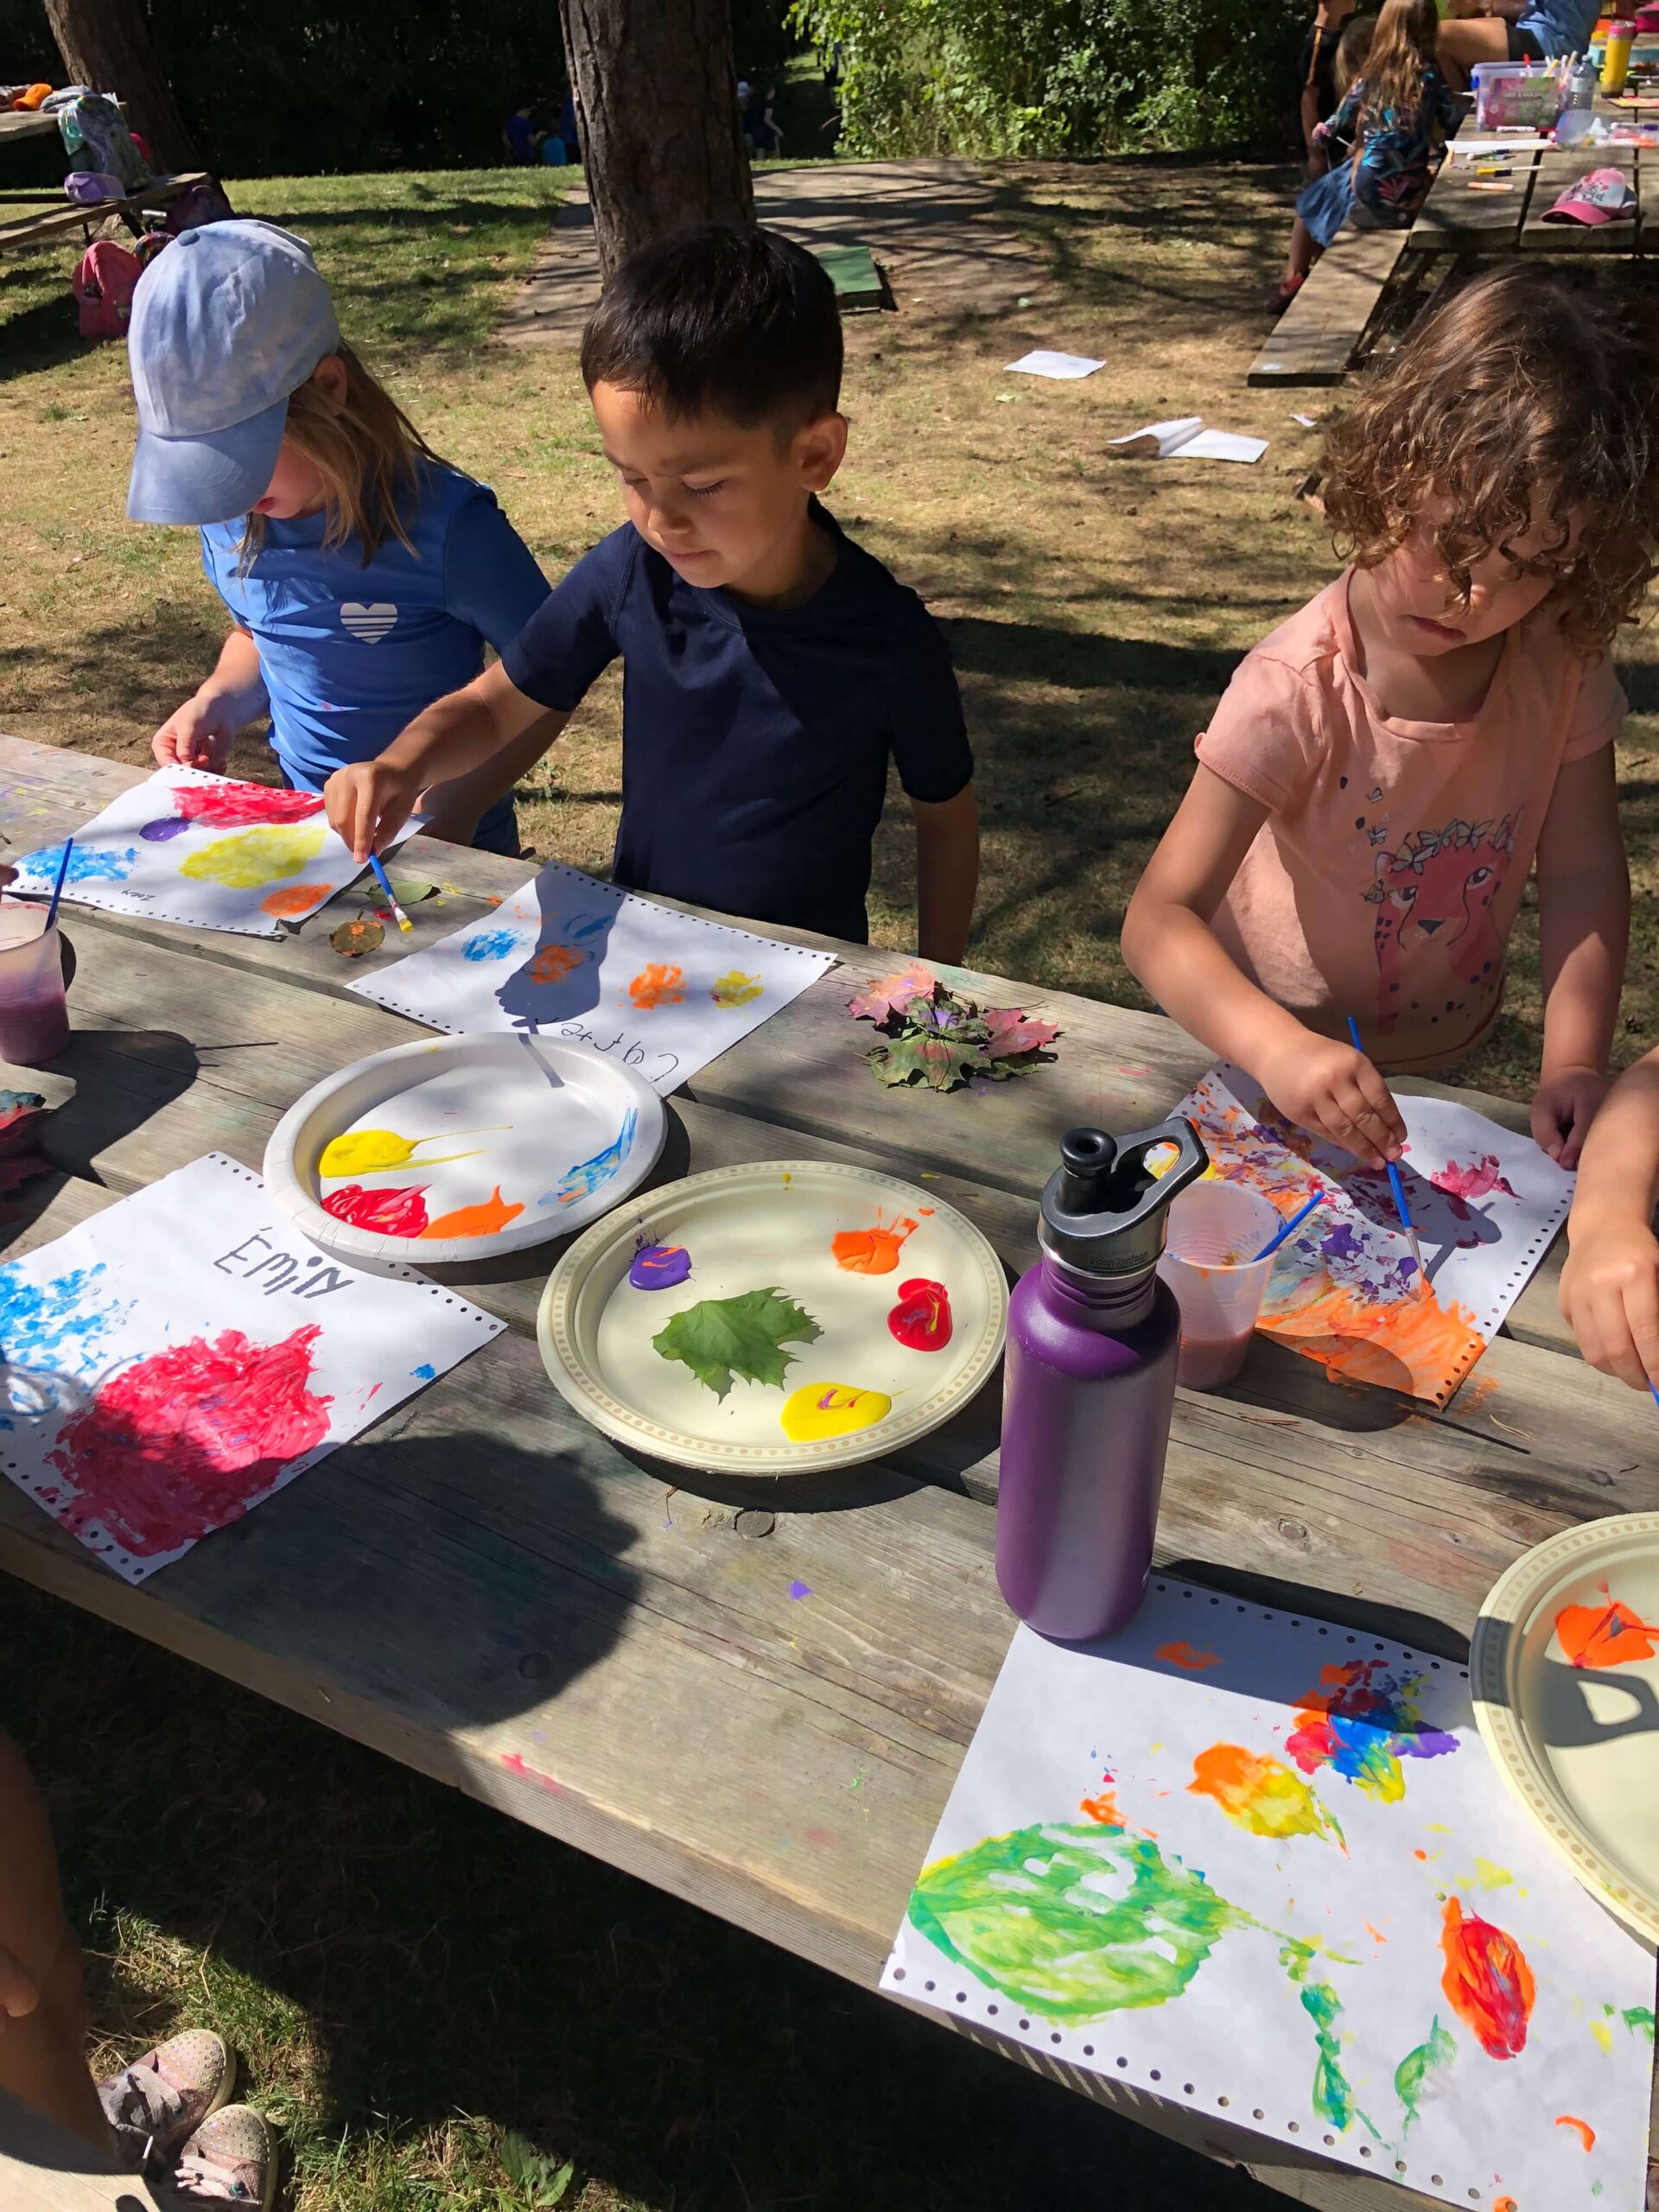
[(486, 1589)]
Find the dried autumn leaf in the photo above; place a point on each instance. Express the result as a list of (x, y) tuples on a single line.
[(353, 939), (409, 890), (720, 1338), (1010, 1031), (891, 994), (940, 1061)]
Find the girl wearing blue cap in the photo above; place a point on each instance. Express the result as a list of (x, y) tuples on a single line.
[(363, 575)]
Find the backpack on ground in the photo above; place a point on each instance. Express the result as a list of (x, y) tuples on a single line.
[(105, 279)]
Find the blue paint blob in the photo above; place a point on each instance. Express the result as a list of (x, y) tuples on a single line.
[(49, 1330), (490, 944), (800, 1589), (659, 1267), (86, 865), (170, 825), (590, 1175), (425, 1372)]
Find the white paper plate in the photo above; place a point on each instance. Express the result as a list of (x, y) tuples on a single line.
[(535, 1137), (1567, 1696), (773, 1226)]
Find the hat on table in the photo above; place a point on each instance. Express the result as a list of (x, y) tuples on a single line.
[(1603, 196), (228, 321)]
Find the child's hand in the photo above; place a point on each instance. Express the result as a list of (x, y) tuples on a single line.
[(1335, 1092), (1563, 1107), (369, 803), (1610, 1300), (197, 735)]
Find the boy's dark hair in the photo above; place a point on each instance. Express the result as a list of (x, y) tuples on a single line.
[(719, 320), (1527, 392)]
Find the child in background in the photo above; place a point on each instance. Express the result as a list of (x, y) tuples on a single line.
[(1373, 788), (363, 575), (1610, 1285), (771, 668), (1381, 140), (1351, 50), (1317, 60)]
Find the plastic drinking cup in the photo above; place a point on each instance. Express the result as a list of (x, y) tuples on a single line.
[(1215, 1231), (34, 1019)]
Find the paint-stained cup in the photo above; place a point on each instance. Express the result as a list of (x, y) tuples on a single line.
[(34, 1019), (1215, 1231)]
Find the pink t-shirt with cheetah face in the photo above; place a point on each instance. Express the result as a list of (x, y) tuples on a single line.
[(1385, 882)]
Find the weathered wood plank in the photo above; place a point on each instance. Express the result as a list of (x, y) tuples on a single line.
[(43, 2168), (1461, 214), (1315, 339)]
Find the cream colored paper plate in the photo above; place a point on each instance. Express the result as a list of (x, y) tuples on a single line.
[(1565, 1672), (775, 1227)]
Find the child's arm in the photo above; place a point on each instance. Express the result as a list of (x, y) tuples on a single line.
[(1325, 1086), (1584, 922), (370, 801), (947, 874), (199, 733), (1610, 1285)]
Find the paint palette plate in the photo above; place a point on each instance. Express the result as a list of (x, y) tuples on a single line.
[(1564, 1669), (458, 1148), (907, 1299)]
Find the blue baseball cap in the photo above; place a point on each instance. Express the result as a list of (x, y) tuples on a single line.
[(226, 322)]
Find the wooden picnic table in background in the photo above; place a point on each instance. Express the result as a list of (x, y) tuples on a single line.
[(488, 1589)]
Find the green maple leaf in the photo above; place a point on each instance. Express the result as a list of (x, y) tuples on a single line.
[(720, 1338), (939, 1060)]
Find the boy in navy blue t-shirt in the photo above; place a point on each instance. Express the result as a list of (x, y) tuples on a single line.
[(771, 668)]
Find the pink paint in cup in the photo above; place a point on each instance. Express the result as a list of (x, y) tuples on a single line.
[(1215, 1231), (34, 1019)]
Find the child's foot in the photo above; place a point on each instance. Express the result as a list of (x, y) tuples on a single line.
[(1283, 293), (168, 2094), (230, 2160)]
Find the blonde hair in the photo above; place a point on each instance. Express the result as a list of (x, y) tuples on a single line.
[(1405, 44), (368, 454)]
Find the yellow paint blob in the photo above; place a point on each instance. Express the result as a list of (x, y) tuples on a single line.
[(735, 989), (253, 858), (1603, 2034), (1489, 1877), (818, 1410), (1260, 1795), (366, 1152)]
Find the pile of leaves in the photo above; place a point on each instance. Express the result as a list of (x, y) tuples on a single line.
[(934, 1036)]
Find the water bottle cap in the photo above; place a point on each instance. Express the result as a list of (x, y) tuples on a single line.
[(1103, 1207)]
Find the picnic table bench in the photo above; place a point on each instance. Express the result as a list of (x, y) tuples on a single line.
[(40, 215), (488, 1589)]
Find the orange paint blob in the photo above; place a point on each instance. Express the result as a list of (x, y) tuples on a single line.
[(656, 985), (552, 964), (1586, 2133), (1604, 1636), (482, 1220), (1419, 1854), (1504, 2204), (872, 1251), (1186, 1655), (1487, 1982), (1415, 1346), (294, 899), (1104, 1808)]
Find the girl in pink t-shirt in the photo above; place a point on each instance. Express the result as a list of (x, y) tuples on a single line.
[(1384, 769)]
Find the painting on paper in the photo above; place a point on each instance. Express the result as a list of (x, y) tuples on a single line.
[(1261, 1866), (184, 846), (1485, 1202), (171, 1362), (571, 958)]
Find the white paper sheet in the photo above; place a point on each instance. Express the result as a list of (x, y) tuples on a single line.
[(1183, 437), (1485, 1202), (169, 1364), (188, 847), (1043, 363), (566, 957), (1262, 1866)]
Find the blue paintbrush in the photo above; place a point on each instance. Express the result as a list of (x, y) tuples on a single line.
[(1396, 1185), (57, 888), (1295, 1222), (384, 882)]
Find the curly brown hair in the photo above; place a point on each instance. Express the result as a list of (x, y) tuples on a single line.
[(1527, 394)]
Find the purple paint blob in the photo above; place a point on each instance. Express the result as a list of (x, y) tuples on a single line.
[(170, 825), (659, 1267), (800, 1589), (1342, 1243)]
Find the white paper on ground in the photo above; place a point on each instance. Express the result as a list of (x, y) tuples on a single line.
[(1262, 1866), (1184, 438), (218, 854), (566, 957), (170, 1364), (1043, 363), (1485, 1202)]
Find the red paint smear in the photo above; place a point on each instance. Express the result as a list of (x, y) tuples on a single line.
[(1586, 2133), (1604, 1636), (1312, 1743), (921, 1320), (185, 1441), (514, 1762), (1487, 1982), (393, 1213), (485, 1219), (293, 899), (1186, 1655), (1478, 1181), (872, 1251), (232, 806)]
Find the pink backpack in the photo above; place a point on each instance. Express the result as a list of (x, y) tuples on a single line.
[(104, 282)]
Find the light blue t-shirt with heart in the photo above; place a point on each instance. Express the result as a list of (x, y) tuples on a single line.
[(351, 654)]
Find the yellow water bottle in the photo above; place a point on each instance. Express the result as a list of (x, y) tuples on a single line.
[(1616, 55)]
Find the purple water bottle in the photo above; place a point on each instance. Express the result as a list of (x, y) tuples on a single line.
[(1090, 1386)]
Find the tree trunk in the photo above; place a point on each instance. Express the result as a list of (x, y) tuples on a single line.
[(105, 44), (657, 107)]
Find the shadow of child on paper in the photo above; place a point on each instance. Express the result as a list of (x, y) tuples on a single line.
[(559, 982)]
